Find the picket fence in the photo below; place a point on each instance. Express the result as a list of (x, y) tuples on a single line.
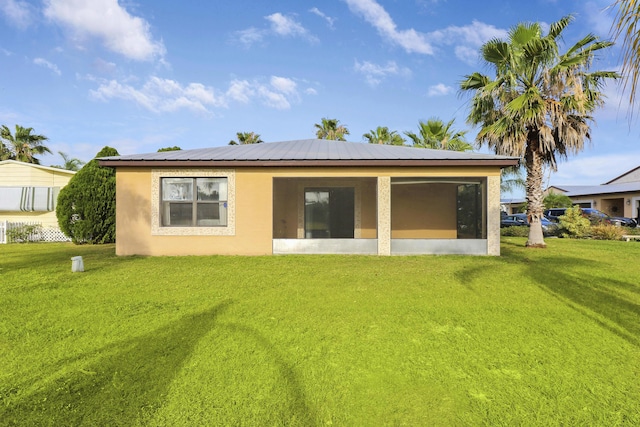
[(41, 235)]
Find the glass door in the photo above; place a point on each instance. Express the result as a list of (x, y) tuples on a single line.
[(329, 213)]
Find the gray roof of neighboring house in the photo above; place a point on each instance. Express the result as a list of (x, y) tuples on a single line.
[(587, 190), (307, 152)]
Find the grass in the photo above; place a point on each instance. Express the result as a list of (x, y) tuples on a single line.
[(535, 337)]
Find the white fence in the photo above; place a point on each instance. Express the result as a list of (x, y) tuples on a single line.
[(40, 234)]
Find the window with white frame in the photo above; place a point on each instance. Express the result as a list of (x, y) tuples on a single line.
[(194, 201)]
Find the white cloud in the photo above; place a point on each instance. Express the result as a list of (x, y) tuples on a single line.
[(250, 36), (439, 90), (310, 91), (161, 95), (374, 73), (280, 25), (19, 13), (283, 84), (410, 40), (467, 39), (318, 12), (279, 93), (286, 26), (44, 63), (108, 21), (164, 95)]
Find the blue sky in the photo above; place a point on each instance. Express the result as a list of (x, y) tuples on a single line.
[(141, 75)]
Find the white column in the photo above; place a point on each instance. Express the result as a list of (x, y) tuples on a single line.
[(384, 215), (493, 215)]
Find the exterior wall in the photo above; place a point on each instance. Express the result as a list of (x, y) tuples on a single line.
[(417, 211), (631, 176), (623, 204), (17, 174), (14, 174), (254, 195)]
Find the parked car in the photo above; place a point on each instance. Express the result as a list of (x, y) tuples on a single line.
[(517, 220), (594, 215)]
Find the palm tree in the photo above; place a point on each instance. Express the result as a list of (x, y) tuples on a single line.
[(330, 129), (70, 164), (511, 179), (435, 134), (381, 135), (246, 138), (22, 145), (627, 26), (539, 105)]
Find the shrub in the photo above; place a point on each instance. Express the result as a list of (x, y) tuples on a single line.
[(24, 233), (86, 207), (607, 232), (574, 224), (515, 231)]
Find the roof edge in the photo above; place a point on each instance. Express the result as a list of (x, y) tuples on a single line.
[(33, 165), (308, 163)]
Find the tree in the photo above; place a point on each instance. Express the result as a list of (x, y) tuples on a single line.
[(626, 25), (246, 138), (435, 134), (511, 179), (381, 135), (330, 129), (174, 148), (86, 207), (556, 200), (22, 145), (70, 164), (539, 105)]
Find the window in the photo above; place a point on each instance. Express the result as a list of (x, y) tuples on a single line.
[(194, 202)]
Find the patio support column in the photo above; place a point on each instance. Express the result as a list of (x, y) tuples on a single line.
[(493, 215), (384, 215)]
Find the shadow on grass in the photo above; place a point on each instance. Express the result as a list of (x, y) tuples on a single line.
[(599, 298), (130, 379), (297, 411)]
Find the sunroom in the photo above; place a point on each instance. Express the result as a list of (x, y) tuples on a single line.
[(346, 215)]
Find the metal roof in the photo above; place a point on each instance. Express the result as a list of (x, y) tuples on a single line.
[(588, 190), (306, 152)]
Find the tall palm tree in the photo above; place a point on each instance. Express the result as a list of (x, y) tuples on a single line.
[(538, 106), (511, 179), (23, 145), (70, 164), (246, 138), (438, 135), (627, 26), (382, 135), (331, 129)]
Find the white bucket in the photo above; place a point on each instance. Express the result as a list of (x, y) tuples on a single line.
[(76, 264)]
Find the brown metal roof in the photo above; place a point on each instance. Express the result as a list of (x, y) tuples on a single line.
[(308, 152)]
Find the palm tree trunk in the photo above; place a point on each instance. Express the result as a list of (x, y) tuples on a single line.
[(535, 205)]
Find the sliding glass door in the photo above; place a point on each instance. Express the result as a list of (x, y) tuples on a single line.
[(329, 213)]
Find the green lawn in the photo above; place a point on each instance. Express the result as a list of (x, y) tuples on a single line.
[(535, 337)]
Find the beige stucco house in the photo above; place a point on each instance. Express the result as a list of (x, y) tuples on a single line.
[(308, 197), (28, 192), (617, 197)]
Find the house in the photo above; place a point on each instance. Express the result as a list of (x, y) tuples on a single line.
[(28, 193), (308, 197), (617, 197)]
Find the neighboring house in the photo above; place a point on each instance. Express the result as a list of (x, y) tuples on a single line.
[(617, 197), (29, 192), (308, 196)]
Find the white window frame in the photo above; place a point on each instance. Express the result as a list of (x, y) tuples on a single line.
[(156, 202)]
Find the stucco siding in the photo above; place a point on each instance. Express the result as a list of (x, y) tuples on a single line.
[(255, 226)]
